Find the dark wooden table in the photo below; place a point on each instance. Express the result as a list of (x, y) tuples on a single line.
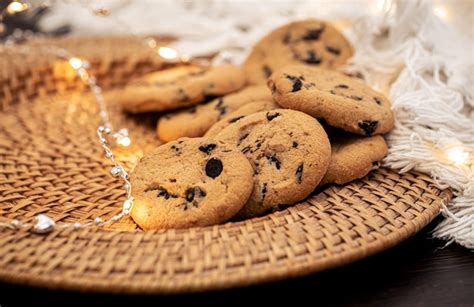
[(418, 272)]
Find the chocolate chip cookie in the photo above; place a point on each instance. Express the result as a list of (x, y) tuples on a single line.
[(311, 42), (177, 87), (353, 157), (341, 101), (289, 152), (190, 182), (195, 121), (240, 113)]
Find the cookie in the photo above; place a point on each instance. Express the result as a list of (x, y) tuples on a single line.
[(190, 182), (343, 102), (177, 87), (240, 113), (310, 42), (289, 152), (354, 157), (195, 121)]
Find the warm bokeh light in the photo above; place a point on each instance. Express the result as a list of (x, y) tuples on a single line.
[(76, 63), (457, 155), (441, 11), (124, 141), (167, 53), (17, 7)]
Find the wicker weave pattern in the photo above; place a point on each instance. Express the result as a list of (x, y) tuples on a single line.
[(50, 162)]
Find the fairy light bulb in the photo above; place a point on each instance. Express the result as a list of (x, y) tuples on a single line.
[(167, 53), (124, 141), (457, 155), (76, 63), (441, 12), (17, 7), (122, 138)]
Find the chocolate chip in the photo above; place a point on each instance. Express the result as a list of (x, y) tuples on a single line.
[(234, 119), (258, 143), (272, 115), (273, 159), (175, 148), (267, 71), (368, 126), (264, 191), (214, 167), (309, 85), (172, 179), (342, 86), (332, 92), (207, 148), (190, 194), (299, 173), (378, 101), (312, 58), (297, 82), (295, 145), (221, 107), (246, 149), (286, 39), (333, 50), (183, 96), (243, 137), (358, 98), (194, 192), (313, 34)]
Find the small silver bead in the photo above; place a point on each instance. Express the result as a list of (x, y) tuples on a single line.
[(127, 205), (77, 225), (107, 130), (116, 171), (44, 224), (15, 223), (125, 175), (116, 218), (98, 220), (103, 140), (109, 155), (101, 129)]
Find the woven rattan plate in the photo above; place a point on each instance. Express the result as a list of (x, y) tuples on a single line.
[(51, 162)]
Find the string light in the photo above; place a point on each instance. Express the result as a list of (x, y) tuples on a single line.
[(17, 7), (167, 53), (441, 11), (75, 63), (457, 155)]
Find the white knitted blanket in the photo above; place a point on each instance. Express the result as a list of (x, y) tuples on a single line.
[(402, 48)]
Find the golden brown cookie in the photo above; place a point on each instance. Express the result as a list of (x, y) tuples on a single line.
[(177, 87), (190, 182), (343, 102), (311, 42), (195, 121), (289, 152), (353, 157), (240, 113)]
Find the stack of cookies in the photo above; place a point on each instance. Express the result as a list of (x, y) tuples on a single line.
[(241, 142)]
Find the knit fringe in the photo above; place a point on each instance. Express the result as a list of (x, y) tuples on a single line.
[(427, 70)]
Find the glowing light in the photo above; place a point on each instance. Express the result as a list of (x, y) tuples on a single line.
[(441, 12), (122, 138), (76, 63), (124, 141), (457, 155), (167, 53), (384, 5), (17, 7)]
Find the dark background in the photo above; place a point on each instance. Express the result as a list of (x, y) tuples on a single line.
[(418, 272)]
